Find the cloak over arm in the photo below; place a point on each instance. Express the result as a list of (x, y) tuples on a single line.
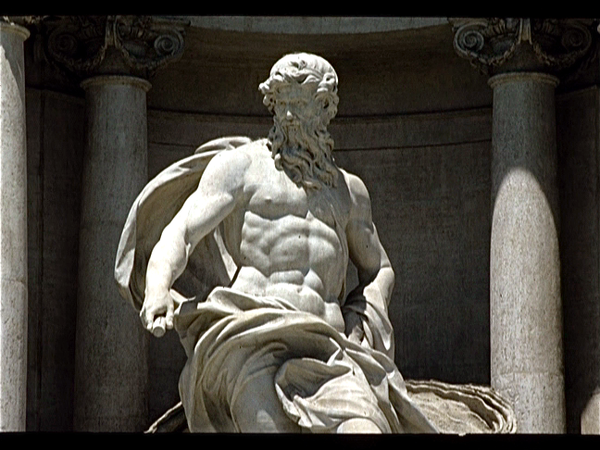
[(209, 265)]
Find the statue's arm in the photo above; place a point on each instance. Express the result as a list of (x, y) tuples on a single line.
[(218, 193), (366, 307)]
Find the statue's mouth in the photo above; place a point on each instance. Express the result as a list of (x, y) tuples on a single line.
[(290, 123)]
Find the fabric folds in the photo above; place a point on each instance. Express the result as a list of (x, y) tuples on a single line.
[(321, 378)]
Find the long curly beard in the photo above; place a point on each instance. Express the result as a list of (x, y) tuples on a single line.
[(304, 152)]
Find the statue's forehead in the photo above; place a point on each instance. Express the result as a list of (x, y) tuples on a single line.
[(295, 90)]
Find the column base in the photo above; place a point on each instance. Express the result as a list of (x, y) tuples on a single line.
[(537, 400)]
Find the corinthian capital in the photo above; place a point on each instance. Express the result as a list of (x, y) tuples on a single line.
[(93, 45), (495, 45)]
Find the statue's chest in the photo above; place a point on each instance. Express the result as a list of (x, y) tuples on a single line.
[(279, 198)]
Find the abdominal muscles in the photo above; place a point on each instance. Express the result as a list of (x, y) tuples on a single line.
[(297, 259)]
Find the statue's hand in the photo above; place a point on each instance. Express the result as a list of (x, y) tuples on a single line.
[(157, 313)]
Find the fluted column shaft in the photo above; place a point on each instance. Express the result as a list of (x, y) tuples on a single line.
[(13, 229), (111, 352), (525, 300)]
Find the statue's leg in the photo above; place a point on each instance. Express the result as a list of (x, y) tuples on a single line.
[(257, 409)]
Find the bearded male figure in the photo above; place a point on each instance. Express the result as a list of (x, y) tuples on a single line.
[(276, 345)]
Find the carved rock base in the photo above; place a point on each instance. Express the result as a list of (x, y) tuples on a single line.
[(463, 408)]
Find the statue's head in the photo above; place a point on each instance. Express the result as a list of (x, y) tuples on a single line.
[(312, 72), (301, 92)]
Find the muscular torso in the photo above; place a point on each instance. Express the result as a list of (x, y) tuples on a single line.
[(290, 243)]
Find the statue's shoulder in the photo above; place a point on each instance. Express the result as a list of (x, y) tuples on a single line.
[(256, 149), (251, 149), (239, 157), (356, 186)]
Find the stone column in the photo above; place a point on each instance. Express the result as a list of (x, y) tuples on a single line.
[(525, 301), (111, 377), (13, 229), (111, 369)]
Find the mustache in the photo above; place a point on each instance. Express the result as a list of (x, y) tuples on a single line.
[(293, 123), (289, 120), (295, 131)]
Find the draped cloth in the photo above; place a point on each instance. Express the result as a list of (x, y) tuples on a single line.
[(321, 378), (209, 265)]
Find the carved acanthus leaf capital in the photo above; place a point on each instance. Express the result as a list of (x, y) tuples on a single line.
[(494, 45), (116, 45)]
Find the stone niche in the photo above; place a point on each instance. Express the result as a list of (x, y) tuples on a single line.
[(414, 122)]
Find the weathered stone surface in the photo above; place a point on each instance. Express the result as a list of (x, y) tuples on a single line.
[(411, 71), (577, 143), (113, 54), (55, 139), (525, 289), (431, 217), (525, 296), (110, 378), (453, 408), (313, 24), (13, 229), (111, 45), (463, 409), (522, 44)]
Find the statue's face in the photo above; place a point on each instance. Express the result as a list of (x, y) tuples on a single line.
[(296, 105), (300, 143)]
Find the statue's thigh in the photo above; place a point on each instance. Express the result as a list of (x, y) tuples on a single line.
[(256, 408)]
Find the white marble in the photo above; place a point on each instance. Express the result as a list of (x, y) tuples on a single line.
[(278, 345), (453, 409), (13, 229)]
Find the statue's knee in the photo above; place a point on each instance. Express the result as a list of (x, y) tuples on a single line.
[(359, 426)]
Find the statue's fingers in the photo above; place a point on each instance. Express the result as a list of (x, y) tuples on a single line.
[(169, 318), (150, 319)]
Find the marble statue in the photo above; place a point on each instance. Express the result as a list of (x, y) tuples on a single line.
[(243, 249)]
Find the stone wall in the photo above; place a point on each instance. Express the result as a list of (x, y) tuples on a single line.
[(577, 120), (431, 197), (55, 144)]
